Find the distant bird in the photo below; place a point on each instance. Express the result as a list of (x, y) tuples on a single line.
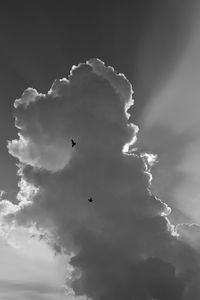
[(90, 199), (73, 143)]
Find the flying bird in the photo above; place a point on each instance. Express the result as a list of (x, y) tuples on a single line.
[(90, 199), (73, 143)]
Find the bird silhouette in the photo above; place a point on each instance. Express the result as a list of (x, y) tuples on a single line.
[(73, 143), (90, 199)]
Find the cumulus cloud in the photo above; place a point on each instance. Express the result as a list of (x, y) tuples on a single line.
[(122, 245), (38, 144)]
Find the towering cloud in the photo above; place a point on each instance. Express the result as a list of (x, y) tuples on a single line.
[(122, 244)]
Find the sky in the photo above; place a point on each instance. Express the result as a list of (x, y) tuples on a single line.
[(122, 81)]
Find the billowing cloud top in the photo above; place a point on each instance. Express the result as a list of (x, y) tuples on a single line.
[(122, 244)]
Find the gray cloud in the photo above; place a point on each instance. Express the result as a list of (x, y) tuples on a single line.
[(123, 244), (28, 290), (29, 286)]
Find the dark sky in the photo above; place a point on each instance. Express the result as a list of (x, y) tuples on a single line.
[(40, 41)]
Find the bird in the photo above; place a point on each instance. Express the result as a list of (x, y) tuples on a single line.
[(90, 199), (73, 143)]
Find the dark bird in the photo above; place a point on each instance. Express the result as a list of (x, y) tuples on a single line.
[(73, 143), (90, 199)]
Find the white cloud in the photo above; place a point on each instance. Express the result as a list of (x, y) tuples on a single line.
[(124, 236)]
